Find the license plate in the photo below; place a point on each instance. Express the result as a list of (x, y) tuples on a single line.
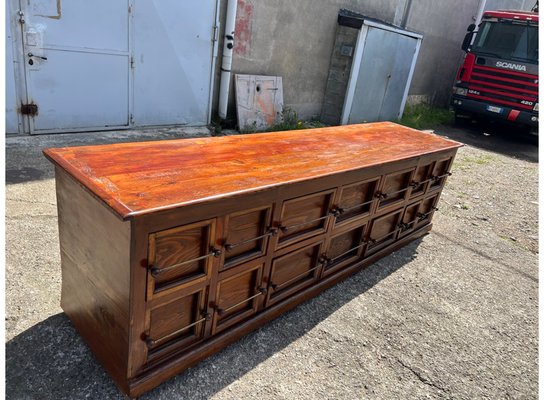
[(494, 109)]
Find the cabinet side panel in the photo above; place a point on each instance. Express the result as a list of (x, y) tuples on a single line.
[(95, 258)]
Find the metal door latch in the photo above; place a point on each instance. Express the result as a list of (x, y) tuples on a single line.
[(35, 56)]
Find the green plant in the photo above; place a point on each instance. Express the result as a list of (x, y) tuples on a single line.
[(424, 116), (288, 121)]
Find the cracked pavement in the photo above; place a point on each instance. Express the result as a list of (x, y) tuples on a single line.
[(450, 316)]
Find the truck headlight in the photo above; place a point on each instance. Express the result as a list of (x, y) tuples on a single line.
[(535, 108), (460, 91)]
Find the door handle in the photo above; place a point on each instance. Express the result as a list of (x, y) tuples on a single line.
[(32, 55)]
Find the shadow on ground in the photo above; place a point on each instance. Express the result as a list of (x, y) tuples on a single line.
[(502, 139), (50, 360)]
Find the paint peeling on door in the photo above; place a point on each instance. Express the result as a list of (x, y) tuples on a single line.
[(244, 17)]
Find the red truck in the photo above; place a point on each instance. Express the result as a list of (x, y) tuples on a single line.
[(498, 79)]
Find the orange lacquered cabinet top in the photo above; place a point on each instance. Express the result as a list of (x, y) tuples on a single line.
[(144, 177)]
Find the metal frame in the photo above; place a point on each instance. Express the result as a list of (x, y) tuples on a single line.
[(216, 33), (356, 65), (14, 6)]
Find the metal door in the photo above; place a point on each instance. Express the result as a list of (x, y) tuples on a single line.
[(382, 70), (174, 49), (77, 58), (12, 118)]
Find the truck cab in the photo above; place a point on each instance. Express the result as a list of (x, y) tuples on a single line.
[(498, 79)]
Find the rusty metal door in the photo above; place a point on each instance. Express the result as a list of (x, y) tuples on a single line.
[(77, 64)]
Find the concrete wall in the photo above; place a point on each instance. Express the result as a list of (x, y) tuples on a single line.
[(295, 39), (443, 24)]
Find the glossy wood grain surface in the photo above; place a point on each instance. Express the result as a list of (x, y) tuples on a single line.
[(139, 178)]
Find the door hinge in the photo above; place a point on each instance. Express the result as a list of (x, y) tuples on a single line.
[(131, 118), (215, 33), (29, 109), (132, 62), (21, 16)]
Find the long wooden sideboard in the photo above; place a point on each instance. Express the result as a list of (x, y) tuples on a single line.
[(172, 250)]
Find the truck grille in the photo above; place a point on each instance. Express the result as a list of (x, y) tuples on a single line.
[(503, 87)]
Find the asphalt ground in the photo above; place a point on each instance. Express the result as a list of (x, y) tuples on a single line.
[(452, 315)]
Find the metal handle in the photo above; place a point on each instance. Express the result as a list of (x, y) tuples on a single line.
[(321, 260), (156, 271), (423, 216), (285, 229), (343, 210), (270, 232), (332, 260), (374, 241), (153, 342), (221, 311), (32, 55), (415, 184), (437, 178), (420, 217), (395, 192)]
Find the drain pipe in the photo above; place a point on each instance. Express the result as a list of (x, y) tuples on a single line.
[(227, 58), (480, 14)]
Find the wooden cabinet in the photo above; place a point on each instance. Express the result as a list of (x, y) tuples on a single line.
[(172, 250)]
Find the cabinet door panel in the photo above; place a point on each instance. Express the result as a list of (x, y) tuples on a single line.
[(383, 231), (246, 235), (180, 256), (409, 219), (440, 173), (344, 249), (294, 271), (421, 180), (304, 217), (426, 210), (355, 201), (237, 296), (175, 325), (394, 189)]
